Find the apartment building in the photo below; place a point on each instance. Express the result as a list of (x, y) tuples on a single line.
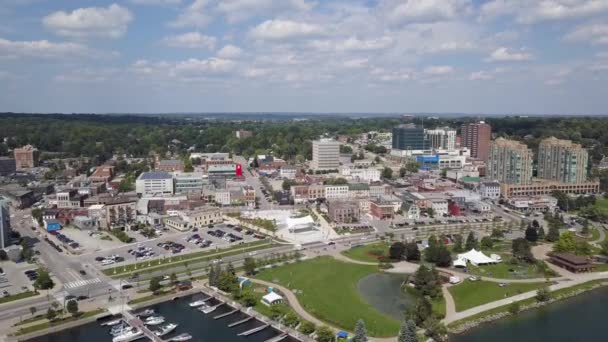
[(509, 162), (476, 137), (562, 161), (325, 154)]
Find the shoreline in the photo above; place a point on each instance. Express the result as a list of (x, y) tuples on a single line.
[(503, 311)]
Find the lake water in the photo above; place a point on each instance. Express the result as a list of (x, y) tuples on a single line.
[(202, 327), (383, 292), (580, 318)]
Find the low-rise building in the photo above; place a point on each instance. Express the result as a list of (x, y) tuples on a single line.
[(170, 165), (358, 190), (68, 199), (489, 190), (7, 166), (102, 174), (439, 206), (288, 172), (381, 209), (533, 204), (156, 182), (120, 211), (336, 191), (186, 182), (542, 187), (196, 218), (344, 211), (410, 210), (222, 197)]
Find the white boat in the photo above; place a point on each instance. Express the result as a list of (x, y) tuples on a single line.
[(182, 337), (155, 320), (165, 329), (112, 323), (146, 313), (197, 303), (119, 329), (130, 335), (207, 309)]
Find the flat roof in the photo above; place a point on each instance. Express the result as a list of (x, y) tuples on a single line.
[(154, 175)]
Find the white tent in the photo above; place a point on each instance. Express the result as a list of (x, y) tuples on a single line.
[(460, 263), (271, 298), (299, 223), (476, 258)]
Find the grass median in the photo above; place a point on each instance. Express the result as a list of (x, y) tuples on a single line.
[(17, 296), (46, 325), (373, 252)]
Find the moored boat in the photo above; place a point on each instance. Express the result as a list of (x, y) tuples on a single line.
[(182, 337), (130, 335), (165, 329), (197, 303), (154, 320)]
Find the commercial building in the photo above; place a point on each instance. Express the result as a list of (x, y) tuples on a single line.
[(288, 172), (5, 225), (26, 157), (69, 199), (102, 174), (242, 134), (156, 182), (189, 182), (344, 211), (489, 190), (336, 191), (540, 187), (325, 154), (197, 218), (509, 162), (382, 209), (562, 161), (476, 137), (169, 165), (120, 211), (7, 166), (533, 204), (362, 175), (439, 206), (231, 170), (409, 137), (441, 138)]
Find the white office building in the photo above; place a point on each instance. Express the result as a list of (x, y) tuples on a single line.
[(157, 182), (441, 138), (489, 190), (336, 191), (325, 154), (186, 182)]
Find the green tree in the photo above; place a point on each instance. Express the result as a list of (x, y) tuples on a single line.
[(520, 248), (444, 258), (307, 327), (604, 247), (531, 234), (430, 212), (407, 333), (249, 266), (427, 281), (37, 214), (431, 253), (155, 285), (360, 332), (324, 334), (497, 233), (72, 307), (487, 242), (397, 250), (402, 172), (553, 234), (173, 278), (585, 229), (435, 329), (457, 247), (44, 281), (33, 310), (543, 294), (541, 234), (51, 314), (422, 311), (471, 242), (412, 253), (566, 243), (514, 308), (387, 173)]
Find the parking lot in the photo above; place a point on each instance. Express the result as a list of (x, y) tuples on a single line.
[(172, 243), (88, 241), (14, 280)]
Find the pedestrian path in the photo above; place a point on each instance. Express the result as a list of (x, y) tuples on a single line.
[(81, 283)]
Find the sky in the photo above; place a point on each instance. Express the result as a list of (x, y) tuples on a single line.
[(371, 56)]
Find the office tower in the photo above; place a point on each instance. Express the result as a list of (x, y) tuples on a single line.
[(409, 137), (476, 137), (509, 162), (562, 161), (441, 138), (325, 154), (26, 157)]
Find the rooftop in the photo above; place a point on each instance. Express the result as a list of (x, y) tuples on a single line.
[(154, 175)]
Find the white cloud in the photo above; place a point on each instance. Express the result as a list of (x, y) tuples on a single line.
[(438, 70), (590, 33), (421, 11), (503, 54), (88, 76), (191, 40), (481, 76), (42, 49), (230, 52), (110, 22), (257, 72), (211, 66), (533, 11), (237, 10), (352, 44), (156, 2), (195, 15), (355, 63), (184, 70), (284, 29)]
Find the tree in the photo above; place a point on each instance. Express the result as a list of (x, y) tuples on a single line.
[(543, 294), (553, 234), (471, 242), (407, 333), (307, 327), (444, 258), (514, 308), (604, 247), (155, 285), (3, 255), (412, 253), (427, 281), (51, 314), (531, 234), (541, 234), (173, 278), (44, 281), (585, 229), (520, 249), (249, 266), (37, 214), (565, 244), (487, 242), (402, 172), (497, 233), (324, 334), (33, 310), (387, 173), (360, 332), (397, 250), (457, 248), (430, 212), (377, 160), (422, 311), (431, 253), (291, 319), (435, 329), (72, 307)]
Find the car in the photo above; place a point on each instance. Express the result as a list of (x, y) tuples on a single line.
[(210, 226), (5, 293), (82, 272), (126, 286), (82, 297), (474, 278), (70, 297), (331, 243), (30, 272)]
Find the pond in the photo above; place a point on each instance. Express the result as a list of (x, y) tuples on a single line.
[(383, 292)]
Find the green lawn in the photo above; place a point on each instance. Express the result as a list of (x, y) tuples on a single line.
[(181, 260), (18, 296), (470, 294), (66, 319), (602, 204), (368, 253), (503, 270), (327, 288), (600, 267)]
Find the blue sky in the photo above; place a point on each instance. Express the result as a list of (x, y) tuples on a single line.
[(492, 56)]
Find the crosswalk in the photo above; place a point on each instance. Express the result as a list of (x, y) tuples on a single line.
[(81, 283)]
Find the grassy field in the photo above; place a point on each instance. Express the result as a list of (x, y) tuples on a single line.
[(17, 296), (470, 294), (327, 288), (47, 324), (181, 260), (505, 270), (600, 267), (602, 204), (368, 253)]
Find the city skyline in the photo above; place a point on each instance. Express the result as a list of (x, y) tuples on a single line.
[(456, 56)]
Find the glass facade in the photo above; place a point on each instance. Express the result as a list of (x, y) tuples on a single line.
[(409, 138)]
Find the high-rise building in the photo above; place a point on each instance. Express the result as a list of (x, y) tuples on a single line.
[(7, 166), (5, 225), (562, 161), (26, 157), (476, 137), (409, 137), (325, 154), (509, 162), (441, 138)]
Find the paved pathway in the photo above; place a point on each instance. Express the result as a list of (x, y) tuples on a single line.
[(450, 305)]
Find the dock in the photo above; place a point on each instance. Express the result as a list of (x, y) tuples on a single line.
[(137, 323), (254, 330), (277, 338), (226, 314), (244, 320)]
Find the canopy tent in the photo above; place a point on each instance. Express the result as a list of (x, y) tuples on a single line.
[(271, 298), (295, 224), (475, 257)]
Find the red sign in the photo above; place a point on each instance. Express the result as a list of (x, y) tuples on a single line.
[(239, 170)]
